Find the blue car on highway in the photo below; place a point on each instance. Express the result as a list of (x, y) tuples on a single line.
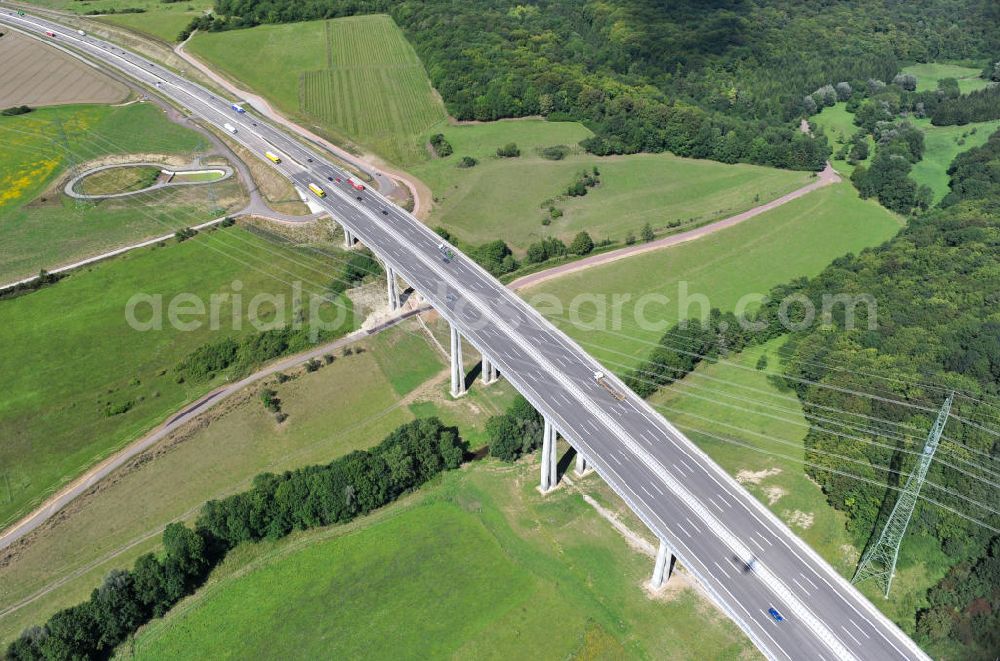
[(773, 612)]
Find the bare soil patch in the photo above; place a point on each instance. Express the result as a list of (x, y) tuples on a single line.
[(34, 74)]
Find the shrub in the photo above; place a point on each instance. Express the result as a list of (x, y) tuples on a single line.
[(16, 110), (515, 432), (582, 244), (440, 145), (184, 234), (647, 233), (630, 238), (467, 162), (554, 153), (509, 150)]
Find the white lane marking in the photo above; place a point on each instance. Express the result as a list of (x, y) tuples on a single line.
[(815, 587), (855, 625), (679, 469), (658, 489), (721, 569), (614, 455), (755, 543), (801, 587), (851, 635), (750, 619), (766, 541), (646, 490), (683, 529), (697, 529), (715, 504)]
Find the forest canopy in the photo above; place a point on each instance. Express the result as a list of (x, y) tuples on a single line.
[(722, 80)]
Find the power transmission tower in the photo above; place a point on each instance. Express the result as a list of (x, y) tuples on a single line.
[(879, 560)]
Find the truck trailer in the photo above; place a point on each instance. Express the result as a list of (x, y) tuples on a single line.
[(271, 156), (317, 190)]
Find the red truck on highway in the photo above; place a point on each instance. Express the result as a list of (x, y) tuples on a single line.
[(356, 185)]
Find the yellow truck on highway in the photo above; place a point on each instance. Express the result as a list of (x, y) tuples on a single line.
[(316, 189), (271, 156)]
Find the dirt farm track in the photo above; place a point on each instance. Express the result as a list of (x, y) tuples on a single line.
[(35, 75)]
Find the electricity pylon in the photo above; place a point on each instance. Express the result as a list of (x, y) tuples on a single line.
[(879, 560)]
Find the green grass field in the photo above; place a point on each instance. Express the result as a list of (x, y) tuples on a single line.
[(349, 404), (42, 228), (838, 124), (941, 143), (160, 20), (941, 146), (507, 197), (119, 180), (929, 74), (797, 239), (356, 77), (475, 566), (72, 361)]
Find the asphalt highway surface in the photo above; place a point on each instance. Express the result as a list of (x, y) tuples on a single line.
[(745, 558)]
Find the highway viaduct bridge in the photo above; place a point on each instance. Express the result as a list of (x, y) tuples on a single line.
[(744, 557)]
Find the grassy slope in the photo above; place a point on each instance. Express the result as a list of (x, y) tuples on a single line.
[(928, 75), (839, 127), (797, 239), (38, 234), (70, 351), (507, 198), (161, 20), (356, 77), (941, 144), (161, 23), (344, 406), (476, 566)]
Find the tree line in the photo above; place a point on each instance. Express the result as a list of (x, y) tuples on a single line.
[(347, 487)]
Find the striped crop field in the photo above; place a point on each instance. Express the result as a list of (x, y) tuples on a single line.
[(357, 77), (374, 89)]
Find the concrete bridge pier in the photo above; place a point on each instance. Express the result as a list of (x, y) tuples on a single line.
[(457, 369), (390, 277), (489, 371), (550, 458), (349, 238), (663, 567), (581, 464)]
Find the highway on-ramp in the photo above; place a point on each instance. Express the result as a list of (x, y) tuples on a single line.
[(714, 526)]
